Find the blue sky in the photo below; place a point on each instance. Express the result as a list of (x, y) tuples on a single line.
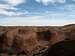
[(37, 12)]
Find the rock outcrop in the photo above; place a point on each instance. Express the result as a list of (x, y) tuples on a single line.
[(32, 40)]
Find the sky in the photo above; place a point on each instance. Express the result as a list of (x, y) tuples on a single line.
[(37, 12)]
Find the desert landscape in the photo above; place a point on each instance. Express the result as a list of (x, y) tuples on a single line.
[(32, 40), (37, 27)]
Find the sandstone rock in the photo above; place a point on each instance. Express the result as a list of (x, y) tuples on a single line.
[(29, 40)]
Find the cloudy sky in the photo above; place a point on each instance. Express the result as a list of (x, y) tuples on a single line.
[(37, 12)]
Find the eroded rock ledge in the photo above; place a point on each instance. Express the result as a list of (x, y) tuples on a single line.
[(30, 40)]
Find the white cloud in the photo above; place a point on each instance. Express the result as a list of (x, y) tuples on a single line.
[(37, 21), (61, 1), (10, 5), (53, 19), (15, 2), (7, 13), (17, 13), (3, 12), (46, 2), (6, 6)]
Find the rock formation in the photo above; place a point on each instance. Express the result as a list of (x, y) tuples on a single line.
[(32, 40)]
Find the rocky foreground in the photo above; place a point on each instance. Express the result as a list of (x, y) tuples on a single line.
[(32, 40)]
